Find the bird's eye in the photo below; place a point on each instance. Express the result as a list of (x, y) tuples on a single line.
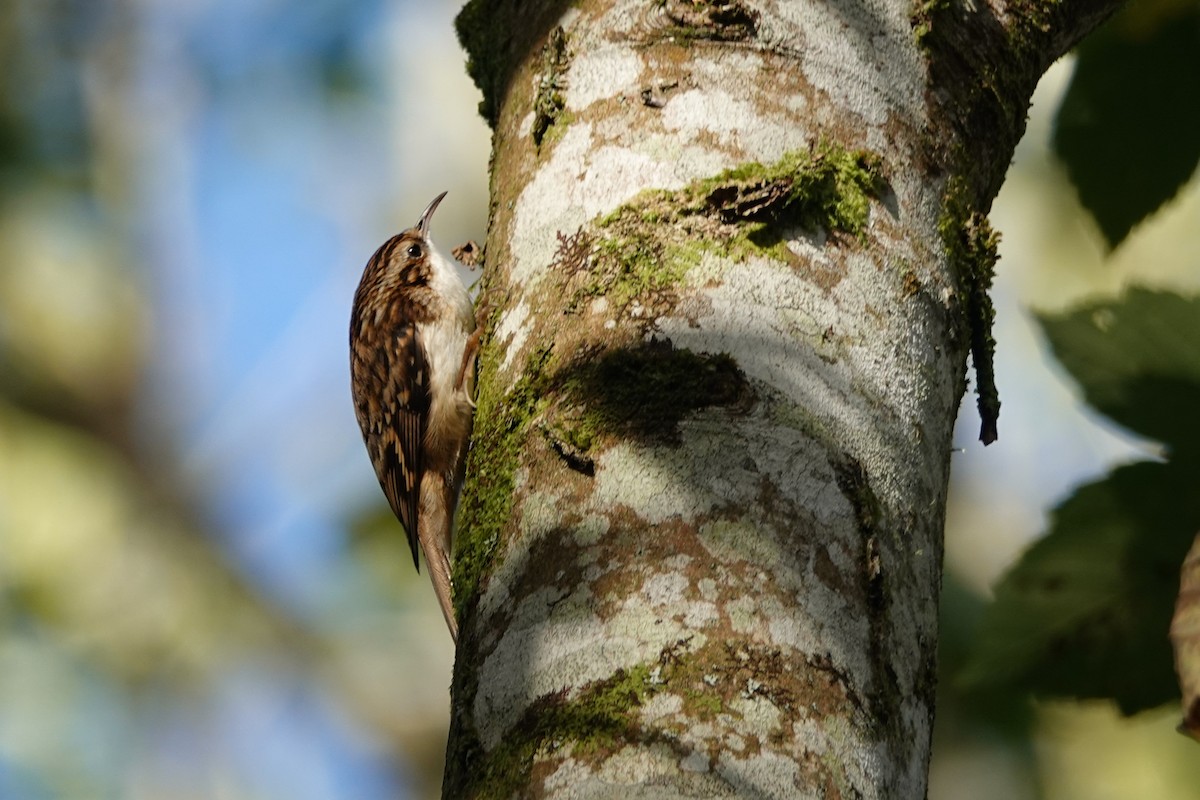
[(414, 251)]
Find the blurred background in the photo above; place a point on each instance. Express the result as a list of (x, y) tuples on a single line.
[(202, 593)]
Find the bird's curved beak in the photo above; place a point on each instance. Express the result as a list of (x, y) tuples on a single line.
[(423, 222)]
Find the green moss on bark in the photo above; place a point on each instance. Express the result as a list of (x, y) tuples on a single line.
[(501, 425), (826, 187), (645, 248), (601, 716), (711, 679)]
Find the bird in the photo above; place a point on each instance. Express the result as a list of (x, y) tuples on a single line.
[(413, 342)]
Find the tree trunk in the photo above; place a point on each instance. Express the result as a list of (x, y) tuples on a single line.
[(736, 260)]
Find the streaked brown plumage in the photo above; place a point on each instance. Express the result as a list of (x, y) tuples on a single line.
[(412, 375)]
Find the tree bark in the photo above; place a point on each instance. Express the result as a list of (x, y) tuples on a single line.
[(737, 258)]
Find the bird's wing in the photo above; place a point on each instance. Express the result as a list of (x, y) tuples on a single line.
[(404, 414)]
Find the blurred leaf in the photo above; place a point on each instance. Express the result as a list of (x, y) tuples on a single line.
[(1085, 612), (1185, 638), (990, 709), (95, 556), (379, 546), (1128, 129), (43, 115), (375, 522), (1138, 362), (72, 312)]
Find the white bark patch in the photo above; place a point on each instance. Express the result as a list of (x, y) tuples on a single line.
[(647, 481), (669, 588), (733, 121), (701, 615), (697, 477), (804, 631), (596, 178), (539, 513), (574, 647), (685, 161), (512, 331), (660, 705), (775, 324), (768, 774), (744, 615), (759, 716), (600, 74), (732, 541), (639, 765), (591, 528), (658, 483), (825, 738), (730, 62), (860, 54), (568, 776), (642, 772)]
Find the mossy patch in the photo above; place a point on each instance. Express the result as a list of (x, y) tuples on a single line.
[(501, 422), (826, 187), (607, 714), (971, 246), (628, 263), (597, 720), (645, 248)]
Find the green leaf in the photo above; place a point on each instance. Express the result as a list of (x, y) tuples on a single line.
[(1128, 129), (1137, 360), (1086, 611)]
